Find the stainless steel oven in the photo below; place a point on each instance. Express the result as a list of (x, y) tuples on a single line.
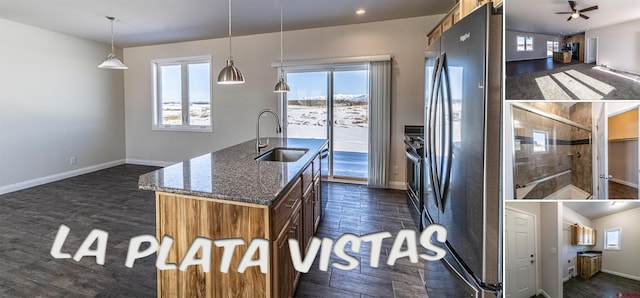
[(415, 166)]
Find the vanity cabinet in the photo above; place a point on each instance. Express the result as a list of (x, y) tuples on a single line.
[(582, 235), (589, 265)]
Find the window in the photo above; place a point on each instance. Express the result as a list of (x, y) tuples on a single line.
[(539, 141), (524, 43), (612, 238), (182, 94)]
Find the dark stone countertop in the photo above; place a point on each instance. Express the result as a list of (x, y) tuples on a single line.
[(233, 174)]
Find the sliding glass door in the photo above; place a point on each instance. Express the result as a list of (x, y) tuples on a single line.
[(332, 103)]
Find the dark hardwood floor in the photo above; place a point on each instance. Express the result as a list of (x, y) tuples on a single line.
[(619, 191), (110, 200), (601, 285), (528, 66)]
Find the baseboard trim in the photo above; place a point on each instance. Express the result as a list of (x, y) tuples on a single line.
[(525, 59), (543, 293), (629, 276), (627, 183), (56, 177), (153, 163), (398, 185), (566, 279)]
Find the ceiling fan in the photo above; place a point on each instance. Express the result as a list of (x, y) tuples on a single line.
[(575, 12)]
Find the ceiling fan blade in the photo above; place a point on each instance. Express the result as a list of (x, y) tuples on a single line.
[(569, 19), (584, 17), (564, 12), (573, 5), (589, 8)]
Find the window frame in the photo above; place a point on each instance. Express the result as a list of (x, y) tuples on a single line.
[(605, 244), (525, 47), (184, 73)]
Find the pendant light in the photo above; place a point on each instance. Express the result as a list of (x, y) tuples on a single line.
[(281, 86), (230, 74), (112, 62)]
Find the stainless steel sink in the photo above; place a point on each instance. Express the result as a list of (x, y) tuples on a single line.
[(282, 154)]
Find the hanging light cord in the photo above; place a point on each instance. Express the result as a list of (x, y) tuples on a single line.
[(281, 51), (230, 29), (112, 49)]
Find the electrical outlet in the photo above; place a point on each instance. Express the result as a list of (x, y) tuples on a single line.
[(395, 170), (72, 160)]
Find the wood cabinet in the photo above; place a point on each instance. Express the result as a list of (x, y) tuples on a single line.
[(562, 57), (294, 215), (589, 265), (459, 11), (582, 235)]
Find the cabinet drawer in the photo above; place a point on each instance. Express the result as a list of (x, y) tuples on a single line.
[(307, 178), (285, 206)]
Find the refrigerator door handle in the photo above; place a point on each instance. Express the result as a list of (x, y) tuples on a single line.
[(448, 128), (431, 140)]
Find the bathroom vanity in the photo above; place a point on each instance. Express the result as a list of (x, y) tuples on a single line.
[(229, 194)]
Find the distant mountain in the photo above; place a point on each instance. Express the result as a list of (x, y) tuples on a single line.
[(339, 97)]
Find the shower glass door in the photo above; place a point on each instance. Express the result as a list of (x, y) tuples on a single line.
[(552, 155)]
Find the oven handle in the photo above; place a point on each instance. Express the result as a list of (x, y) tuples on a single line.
[(413, 157)]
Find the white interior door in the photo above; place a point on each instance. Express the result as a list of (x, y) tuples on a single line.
[(602, 155), (520, 255)]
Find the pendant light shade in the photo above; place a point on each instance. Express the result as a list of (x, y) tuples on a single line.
[(112, 62), (230, 74), (281, 86)]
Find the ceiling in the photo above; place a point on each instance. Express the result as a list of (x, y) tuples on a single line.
[(539, 16), (593, 210), (156, 22)]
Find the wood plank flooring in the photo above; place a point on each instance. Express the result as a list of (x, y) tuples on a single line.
[(619, 191), (601, 285), (527, 66), (110, 200)]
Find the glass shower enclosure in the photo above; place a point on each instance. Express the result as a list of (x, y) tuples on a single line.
[(552, 155)]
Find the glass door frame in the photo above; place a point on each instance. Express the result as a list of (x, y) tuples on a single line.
[(330, 69)]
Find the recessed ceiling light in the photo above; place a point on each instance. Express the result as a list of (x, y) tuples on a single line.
[(361, 11)]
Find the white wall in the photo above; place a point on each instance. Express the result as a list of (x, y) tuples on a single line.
[(618, 45), (235, 107), (539, 45), (55, 103), (551, 223), (624, 262), (569, 251)]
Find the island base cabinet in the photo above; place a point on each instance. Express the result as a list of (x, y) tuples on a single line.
[(286, 277), (293, 215), (185, 218)]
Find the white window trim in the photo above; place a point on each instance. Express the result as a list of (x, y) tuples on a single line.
[(619, 247), (526, 49), (155, 120)]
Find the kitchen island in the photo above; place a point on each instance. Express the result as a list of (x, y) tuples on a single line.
[(229, 195), (562, 57)]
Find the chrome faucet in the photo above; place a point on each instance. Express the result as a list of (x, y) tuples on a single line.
[(260, 145)]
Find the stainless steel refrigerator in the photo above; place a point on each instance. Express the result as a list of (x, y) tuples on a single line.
[(462, 155)]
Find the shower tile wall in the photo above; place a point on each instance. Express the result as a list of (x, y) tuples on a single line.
[(568, 148), (534, 165), (581, 164)]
